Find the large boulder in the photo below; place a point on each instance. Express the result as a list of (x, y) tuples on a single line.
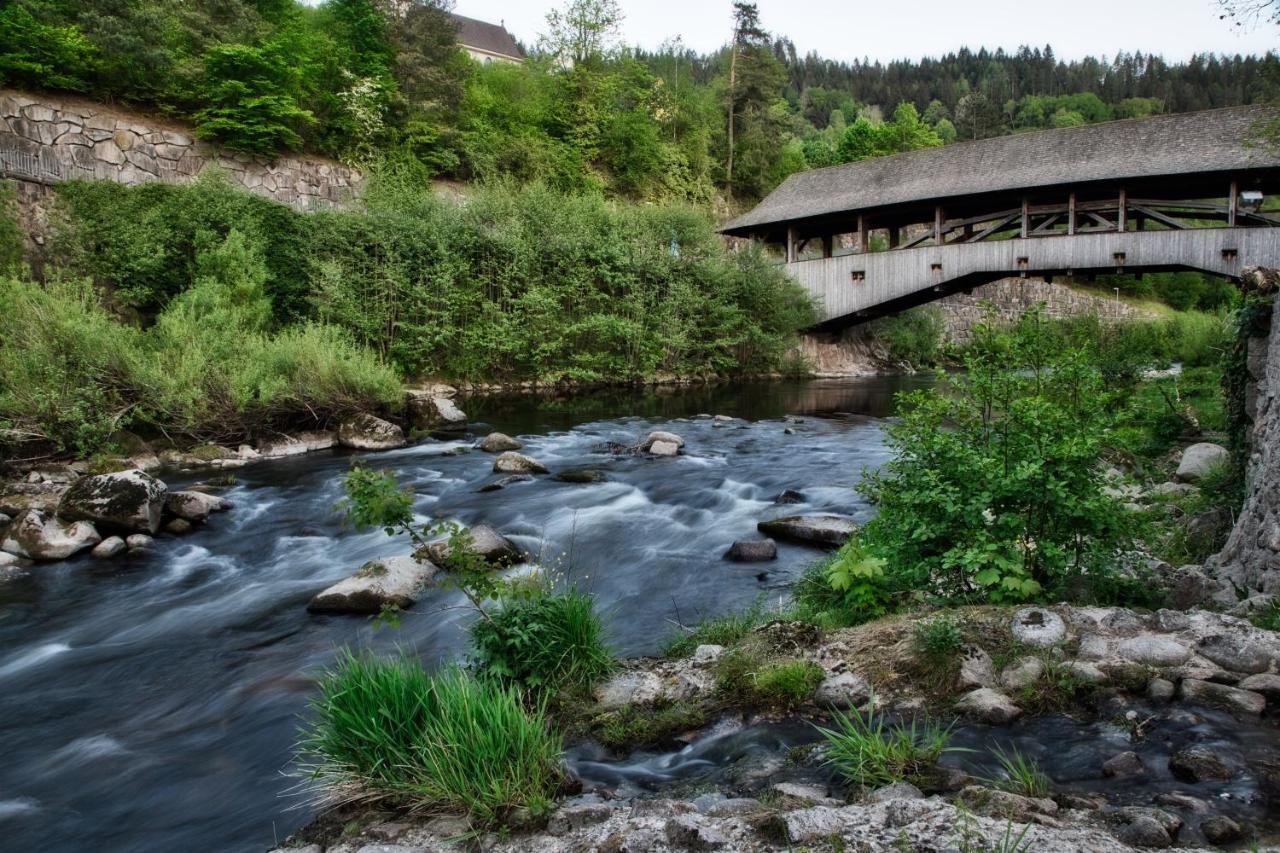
[(379, 584), (488, 543), (39, 535), (296, 445), (824, 530), (752, 551), (366, 432), (497, 442), (664, 437), (1236, 654), (517, 463), (1223, 696), (130, 501), (990, 706), (195, 506), (664, 448), (1036, 626), (431, 410), (1199, 459)]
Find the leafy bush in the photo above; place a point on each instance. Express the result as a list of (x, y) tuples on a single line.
[(866, 751), (993, 490), (542, 640), (915, 337), (859, 576), (429, 742), (938, 639)]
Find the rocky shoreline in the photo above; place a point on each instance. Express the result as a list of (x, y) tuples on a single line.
[(1107, 662)]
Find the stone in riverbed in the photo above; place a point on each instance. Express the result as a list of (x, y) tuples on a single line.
[(303, 442), (130, 501), (843, 691), (976, 669), (1198, 764), (1022, 673), (1235, 654), (752, 551), (497, 442), (1265, 683), (822, 530), (660, 435), (488, 543), (1144, 831), (431, 410), (38, 535), (664, 448), (389, 582), (179, 526), (1037, 626), (503, 482), (195, 506), (110, 547), (1199, 459), (581, 476), (138, 541), (366, 432), (789, 496), (1220, 830), (989, 705), (517, 463), (1161, 690), (1153, 650), (1124, 764), (1223, 696)]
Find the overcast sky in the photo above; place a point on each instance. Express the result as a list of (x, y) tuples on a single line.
[(895, 29)]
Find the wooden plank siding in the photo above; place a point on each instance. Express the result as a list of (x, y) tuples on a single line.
[(850, 287)]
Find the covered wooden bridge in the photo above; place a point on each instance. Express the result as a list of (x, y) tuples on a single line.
[(1169, 192)]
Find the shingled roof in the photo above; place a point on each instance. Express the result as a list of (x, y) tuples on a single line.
[(1198, 142), (491, 38)]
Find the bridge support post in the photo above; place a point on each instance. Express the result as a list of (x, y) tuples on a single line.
[(792, 252), (1026, 218), (1122, 213), (1234, 204), (827, 246), (937, 225), (1071, 214), (864, 242)]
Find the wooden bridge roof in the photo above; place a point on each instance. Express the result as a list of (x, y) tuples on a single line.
[(1165, 145)]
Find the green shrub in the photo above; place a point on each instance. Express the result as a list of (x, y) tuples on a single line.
[(993, 491), (542, 640), (866, 751), (251, 96), (441, 742), (915, 337), (937, 640)]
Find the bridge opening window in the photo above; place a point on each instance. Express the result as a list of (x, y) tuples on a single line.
[(858, 276), (936, 267), (1229, 254), (1118, 258), (1023, 263)]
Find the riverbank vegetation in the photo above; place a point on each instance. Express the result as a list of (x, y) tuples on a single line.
[(204, 313)]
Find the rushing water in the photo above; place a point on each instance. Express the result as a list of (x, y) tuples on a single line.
[(151, 703)]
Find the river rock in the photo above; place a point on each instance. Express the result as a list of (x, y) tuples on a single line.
[(517, 463), (366, 432), (664, 448), (1124, 764), (976, 669), (110, 547), (502, 482), (130, 501), (1235, 654), (896, 791), (1268, 684), (195, 506), (1144, 831), (1085, 672), (1022, 674), (178, 526), (39, 535), (303, 442), (431, 410), (1036, 626), (822, 530), (1220, 829), (581, 476), (694, 832), (1161, 689), (989, 705), (752, 551), (843, 691), (1175, 490), (789, 496), (1198, 764), (138, 541), (1199, 459), (1005, 804), (568, 818), (388, 582), (629, 688), (1223, 696), (488, 543), (1153, 650), (497, 442), (660, 435)]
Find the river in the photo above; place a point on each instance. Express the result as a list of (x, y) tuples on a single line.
[(151, 703)]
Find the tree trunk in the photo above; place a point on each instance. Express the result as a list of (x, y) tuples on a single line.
[(733, 96)]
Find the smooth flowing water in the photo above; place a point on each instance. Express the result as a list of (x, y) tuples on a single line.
[(151, 703)]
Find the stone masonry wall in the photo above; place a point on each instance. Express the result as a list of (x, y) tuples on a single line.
[(47, 139), (1011, 297)]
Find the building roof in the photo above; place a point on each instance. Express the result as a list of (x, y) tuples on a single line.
[(491, 38), (1163, 145)]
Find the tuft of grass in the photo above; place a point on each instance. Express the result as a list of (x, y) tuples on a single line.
[(749, 677), (938, 640), (866, 751), (725, 630), (541, 640), (1020, 775), (1269, 618), (383, 728), (630, 728)]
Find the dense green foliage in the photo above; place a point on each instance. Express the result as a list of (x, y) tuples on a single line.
[(994, 490), (431, 742), (514, 284), (542, 640), (71, 375), (361, 79), (916, 337)]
